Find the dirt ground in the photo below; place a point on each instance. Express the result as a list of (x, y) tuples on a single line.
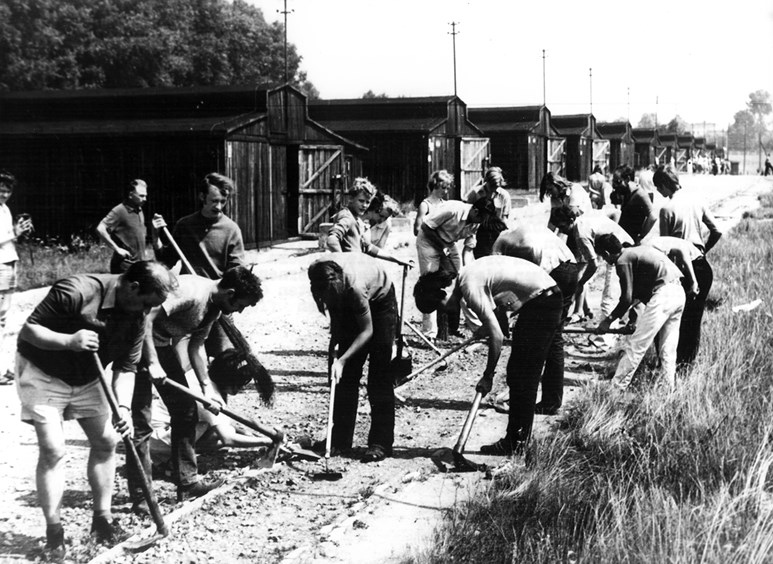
[(374, 513)]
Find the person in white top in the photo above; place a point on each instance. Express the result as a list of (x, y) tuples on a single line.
[(10, 230)]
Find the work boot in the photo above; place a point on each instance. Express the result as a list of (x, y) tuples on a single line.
[(54, 549), (198, 489), (376, 453), (543, 409), (504, 447), (106, 532)]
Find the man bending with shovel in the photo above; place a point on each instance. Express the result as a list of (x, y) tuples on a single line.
[(189, 312), (355, 289), (518, 286)]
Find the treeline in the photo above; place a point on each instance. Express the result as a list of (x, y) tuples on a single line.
[(69, 44)]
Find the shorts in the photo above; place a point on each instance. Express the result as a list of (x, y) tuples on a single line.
[(8, 276), (47, 399)]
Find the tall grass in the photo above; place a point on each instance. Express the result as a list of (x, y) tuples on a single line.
[(651, 476), (43, 263)]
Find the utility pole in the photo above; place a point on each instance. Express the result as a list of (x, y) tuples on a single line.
[(285, 12), (590, 79), (544, 95), (453, 34), (656, 113), (629, 104), (744, 146)]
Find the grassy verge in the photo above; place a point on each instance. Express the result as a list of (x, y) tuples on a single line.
[(42, 264), (650, 476)]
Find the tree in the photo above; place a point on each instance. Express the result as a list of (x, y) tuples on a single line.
[(742, 132), (677, 125), (759, 105), (370, 95), (648, 121), (136, 43)]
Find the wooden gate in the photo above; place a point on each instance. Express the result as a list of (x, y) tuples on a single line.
[(556, 155), (475, 157), (601, 154), (320, 181), (661, 155), (681, 160)]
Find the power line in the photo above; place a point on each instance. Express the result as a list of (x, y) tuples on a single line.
[(453, 33), (285, 12)]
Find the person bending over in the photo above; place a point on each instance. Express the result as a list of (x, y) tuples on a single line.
[(518, 286)]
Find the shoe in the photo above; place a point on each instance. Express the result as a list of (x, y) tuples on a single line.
[(375, 453), (7, 378), (197, 489), (140, 508), (541, 409), (54, 550), (503, 447), (105, 532), (320, 446)]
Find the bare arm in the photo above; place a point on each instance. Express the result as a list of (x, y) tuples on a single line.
[(104, 234), (714, 233), (681, 260), (48, 340), (495, 338), (420, 213)]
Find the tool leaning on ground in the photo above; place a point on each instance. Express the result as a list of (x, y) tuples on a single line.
[(327, 475), (453, 460), (430, 344), (276, 435), (402, 364), (263, 380), (438, 360), (134, 459)]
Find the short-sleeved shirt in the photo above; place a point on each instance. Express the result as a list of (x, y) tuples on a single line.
[(449, 222), (366, 286), (575, 197), (379, 233), (211, 246), (667, 244), (350, 231), (186, 311), (642, 271), (482, 281), (7, 249), (536, 244), (683, 216), (86, 301), (588, 227), (126, 225), (635, 212), (501, 198)]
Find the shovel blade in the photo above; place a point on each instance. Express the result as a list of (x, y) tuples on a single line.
[(141, 544)]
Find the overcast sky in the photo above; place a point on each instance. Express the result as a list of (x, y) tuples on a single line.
[(698, 59)]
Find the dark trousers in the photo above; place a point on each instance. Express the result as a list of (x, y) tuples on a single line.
[(381, 394), (690, 328), (183, 416), (566, 277), (533, 334)]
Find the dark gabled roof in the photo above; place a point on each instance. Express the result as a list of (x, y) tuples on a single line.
[(213, 125), (374, 109), (575, 124), (644, 134), (614, 129), (416, 124), (514, 118), (685, 140), (699, 142), (667, 137)]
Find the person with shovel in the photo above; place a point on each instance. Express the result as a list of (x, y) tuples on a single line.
[(57, 379), (539, 245), (190, 312), (359, 296), (517, 286)]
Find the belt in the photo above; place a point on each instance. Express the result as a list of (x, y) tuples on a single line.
[(549, 292)]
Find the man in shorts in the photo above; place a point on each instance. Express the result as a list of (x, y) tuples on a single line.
[(57, 379)]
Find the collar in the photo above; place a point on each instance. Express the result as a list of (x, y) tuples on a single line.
[(111, 287), (131, 207)]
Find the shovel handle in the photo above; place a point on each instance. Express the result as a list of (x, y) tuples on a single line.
[(329, 434), (620, 331), (465, 434), (274, 435), (131, 454), (438, 360)]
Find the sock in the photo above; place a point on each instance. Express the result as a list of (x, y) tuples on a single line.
[(54, 535)]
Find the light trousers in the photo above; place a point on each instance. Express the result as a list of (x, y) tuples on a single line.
[(661, 317)]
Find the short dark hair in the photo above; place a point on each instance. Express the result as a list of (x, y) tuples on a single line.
[(610, 243), (625, 172), (597, 170), (321, 274), (666, 176), (7, 179), (563, 215), (429, 290), (230, 368), (224, 184), (549, 179), (152, 278), (243, 282)]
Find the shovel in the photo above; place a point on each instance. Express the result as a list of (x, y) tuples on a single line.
[(627, 330), (438, 360), (402, 364), (134, 459), (275, 435), (430, 344), (327, 475), (452, 460)]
